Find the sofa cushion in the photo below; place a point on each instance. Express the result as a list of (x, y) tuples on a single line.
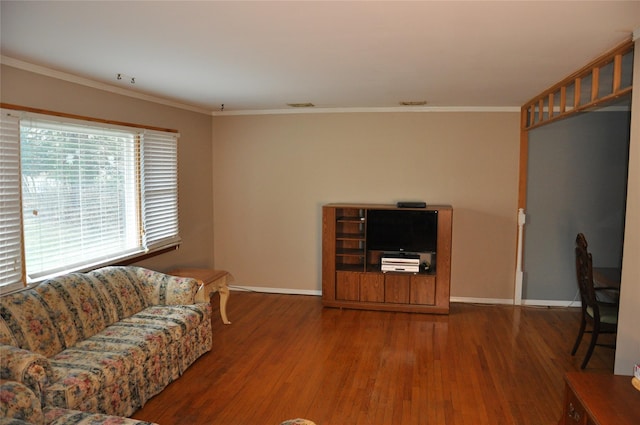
[(19, 402), (163, 289), (125, 290), (144, 347), (178, 320), (85, 373), (133, 359), (189, 327), (30, 323)]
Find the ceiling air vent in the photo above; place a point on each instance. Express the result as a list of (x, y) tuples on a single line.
[(301, 105), (413, 103)]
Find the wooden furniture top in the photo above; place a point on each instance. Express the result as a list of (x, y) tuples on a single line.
[(607, 399), (607, 276), (205, 275), (388, 207)]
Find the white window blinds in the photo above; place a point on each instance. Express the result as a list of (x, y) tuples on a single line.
[(85, 194), (160, 188), (79, 195), (10, 230)]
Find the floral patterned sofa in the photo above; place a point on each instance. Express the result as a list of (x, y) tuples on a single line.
[(20, 406), (105, 341)]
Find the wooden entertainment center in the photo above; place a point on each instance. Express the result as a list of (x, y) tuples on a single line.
[(351, 271)]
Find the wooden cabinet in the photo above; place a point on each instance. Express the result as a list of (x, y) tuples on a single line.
[(371, 287), (600, 399), (351, 273)]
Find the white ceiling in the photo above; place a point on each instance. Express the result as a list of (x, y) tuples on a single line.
[(361, 54)]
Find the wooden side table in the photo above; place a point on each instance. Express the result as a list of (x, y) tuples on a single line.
[(600, 399), (211, 281)]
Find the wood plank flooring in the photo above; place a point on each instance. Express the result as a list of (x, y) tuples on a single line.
[(285, 356)]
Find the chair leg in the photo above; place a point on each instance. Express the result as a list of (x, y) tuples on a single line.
[(583, 325), (592, 345)]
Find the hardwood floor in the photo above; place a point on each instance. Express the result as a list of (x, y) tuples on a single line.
[(285, 356)]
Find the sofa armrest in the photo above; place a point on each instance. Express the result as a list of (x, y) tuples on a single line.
[(24, 366), (14, 421), (19, 403), (164, 289), (59, 416)]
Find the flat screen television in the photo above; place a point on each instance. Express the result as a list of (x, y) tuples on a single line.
[(402, 230)]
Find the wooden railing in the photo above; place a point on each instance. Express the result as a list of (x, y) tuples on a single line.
[(605, 79)]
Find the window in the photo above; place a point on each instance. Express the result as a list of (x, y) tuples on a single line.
[(84, 194)]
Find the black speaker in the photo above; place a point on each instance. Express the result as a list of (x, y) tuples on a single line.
[(412, 204)]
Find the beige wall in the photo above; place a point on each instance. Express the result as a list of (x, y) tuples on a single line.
[(194, 150), (628, 338), (272, 174)]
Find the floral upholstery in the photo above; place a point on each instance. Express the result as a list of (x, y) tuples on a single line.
[(165, 289), (13, 421), (20, 406), (57, 416), (104, 341), (18, 402), (32, 369)]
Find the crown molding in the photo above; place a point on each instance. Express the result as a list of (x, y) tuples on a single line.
[(403, 109), (48, 72), (60, 75)]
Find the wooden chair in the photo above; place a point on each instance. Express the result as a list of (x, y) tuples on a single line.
[(601, 316)]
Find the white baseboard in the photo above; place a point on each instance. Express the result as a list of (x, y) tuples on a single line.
[(465, 300), (551, 303), (471, 300), (285, 291), (508, 301)]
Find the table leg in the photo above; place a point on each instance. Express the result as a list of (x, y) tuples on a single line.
[(223, 290)]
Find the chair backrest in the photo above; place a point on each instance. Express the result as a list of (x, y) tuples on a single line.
[(584, 274)]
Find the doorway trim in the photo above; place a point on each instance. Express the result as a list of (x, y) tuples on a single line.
[(598, 82)]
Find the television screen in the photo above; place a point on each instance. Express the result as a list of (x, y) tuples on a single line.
[(402, 230)]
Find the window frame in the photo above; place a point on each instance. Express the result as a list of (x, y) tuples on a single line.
[(170, 242)]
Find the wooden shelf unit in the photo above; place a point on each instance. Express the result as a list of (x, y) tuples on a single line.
[(351, 275)]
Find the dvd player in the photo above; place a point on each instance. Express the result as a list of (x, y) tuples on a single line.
[(406, 268), (400, 263)]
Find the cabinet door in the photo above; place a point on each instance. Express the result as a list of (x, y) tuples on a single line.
[(574, 413), (372, 287), (396, 288), (348, 286), (423, 289)]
